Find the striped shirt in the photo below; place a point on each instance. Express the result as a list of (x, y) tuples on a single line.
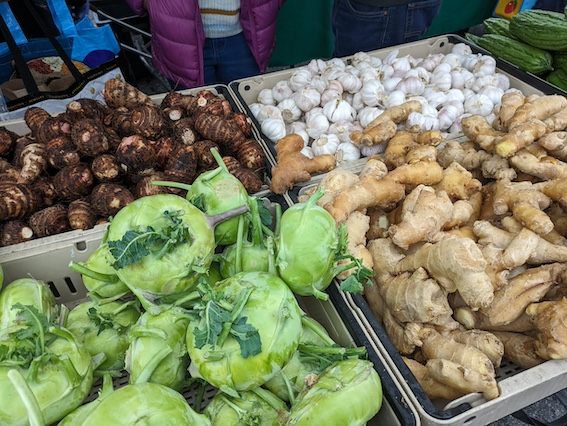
[(221, 18)]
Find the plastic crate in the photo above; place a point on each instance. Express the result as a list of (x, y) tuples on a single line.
[(50, 264)]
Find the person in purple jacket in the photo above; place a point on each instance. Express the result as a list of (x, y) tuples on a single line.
[(210, 41)]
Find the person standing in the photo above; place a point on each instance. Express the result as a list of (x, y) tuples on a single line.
[(210, 41), (364, 25)]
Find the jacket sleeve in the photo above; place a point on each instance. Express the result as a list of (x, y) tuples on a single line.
[(137, 6)]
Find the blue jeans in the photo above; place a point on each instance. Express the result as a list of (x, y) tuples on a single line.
[(227, 59), (363, 27)]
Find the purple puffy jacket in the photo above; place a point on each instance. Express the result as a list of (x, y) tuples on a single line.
[(178, 37)]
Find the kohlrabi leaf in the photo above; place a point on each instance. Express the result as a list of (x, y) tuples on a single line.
[(102, 321), (199, 202), (265, 215), (212, 319), (247, 337)]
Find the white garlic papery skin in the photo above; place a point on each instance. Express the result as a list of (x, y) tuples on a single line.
[(281, 91), (325, 144), (299, 79), (470, 62), (368, 75), (348, 97), (366, 115), (427, 109), (332, 73), (314, 111), (391, 83), (339, 110), (290, 111), (420, 73), (329, 95), (442, 68), (336, 86), (295, 127), (352, 70), (503, 81), (350, 83), (461, 49), (342, 129), (318, 83), (460, 77), (434, 98), (490, 118), (441, 80), (317, 124), (483, 81), (316, 66), (411, 86), (369, 151), (265, 97), (391, 57), (371, 92), (418, 122), (303, 135), (448, 115), (336, 63), (346, 151), (431, 62), (357, 103), (307, 98), (255, 109), (395, 98), (385, 71), (360, 57), (479, 104), (308, 152), (375, 61), (454, 60), (273, 128), (414, 62), (269, 111), (494, 93), (486, 65), (454, 95), (401, 66)]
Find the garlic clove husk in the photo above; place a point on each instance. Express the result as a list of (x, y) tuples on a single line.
[(317, 124), (346, 151), (268, 111), (265, 97), (367, 114), (281, 91), (290, 111), (307, 98), (479, 104), (339, 110), (325, 144), (369, 151), (391, 83), (308, 152), (461, 49), (299, 79), (411, 86), (371, 92), (273, 128)]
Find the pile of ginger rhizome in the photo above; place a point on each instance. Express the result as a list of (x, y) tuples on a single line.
[(466, 240), (85, 164)]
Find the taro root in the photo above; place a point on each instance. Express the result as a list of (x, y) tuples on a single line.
[(86, 108), (114, 139), (147, 121), (81, 215), (14, 232), (8, 173), (17, 201), (118, 93), (176, 100), (7, 141), (242, 122), (49, 129), (106, 168), (183, 131), (219, 130), (122, 122), (21, 144), (250, 155), (64, 122), (205, 159), (108, 198), (50, 221), (183, 164), (62, 152), (251, 182), (89, 137), (136, 154), (172, 114), (144, 187), (45, 190), (34, 162), (73, 182), (163, 149), (34, 118)]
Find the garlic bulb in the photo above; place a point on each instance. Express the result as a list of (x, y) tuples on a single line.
[(329, 95), (299, 79), (427, 109), (357, 103), (452, 59), (273, 128), (312, 112), (347, 152), (265, 97), (454, 95), (490, 118), (441, 80), (308, 152), (336, 86), (494, 93), (352, 70), (448, 115), (434, 98), (479, 105), (411, 86), (368, 75), (420, 73), (343, 129), (316, 66), (295, 127), (281, 91), (375, 61), (442, 68), (350, 83), (348, 97), (486, 65), (371, 92), (503, 81), (366, 115), (431, 62), (414, 62), (369, 151), (360, 57), (318, 83), (461, 49), (317, 124), (391, 83), (339, 110), (470, 62), (418, 122), (325, 144), (460, 77), (255, 109), (304, 136), (483, 81), (269, 111), (331, 73), (336, 63), (307, 98), (467, 93), (385, 71), (401, 66), (395, 98), (290, 111)]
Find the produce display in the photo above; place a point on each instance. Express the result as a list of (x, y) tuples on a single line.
[(324, 102), (160, 310), (467, 240), (81, 167)]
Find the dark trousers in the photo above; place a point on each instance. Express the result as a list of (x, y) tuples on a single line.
[(361, 26)]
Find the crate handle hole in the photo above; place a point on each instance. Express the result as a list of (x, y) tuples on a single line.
[(247, 87), (53, 289), (70, 285), (470, 419), (81, 246), (441, 45)]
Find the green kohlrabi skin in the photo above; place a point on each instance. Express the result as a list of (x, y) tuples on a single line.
[(214, 275), (176, 271), (101, 261), (157, 352), (258, 407), (82, 413), (306, 248), (273, 310), (26, 291), (61, 384), (347, 393), (147, 404), (113, 339), (219, 192)]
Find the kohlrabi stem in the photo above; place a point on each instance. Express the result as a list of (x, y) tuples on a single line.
[(137, 331), (239, 411), (199, 397), (221, 217), (307, 323), (83, 270), (152, 364), (315, 197), (177, 185), (319, 294), (271, 256), (97, 360), (257, 237), (63, 315), (194, 295), (332, 350), (278, 220), (276, 403), (239, 306), (107, 385), (289, 388), (219, 160), (35, 417), (123, 307), (239, 243)]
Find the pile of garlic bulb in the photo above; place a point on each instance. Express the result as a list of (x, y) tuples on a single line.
[(325, 101)]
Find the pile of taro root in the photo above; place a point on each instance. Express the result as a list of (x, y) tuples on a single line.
[(79, 168)]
